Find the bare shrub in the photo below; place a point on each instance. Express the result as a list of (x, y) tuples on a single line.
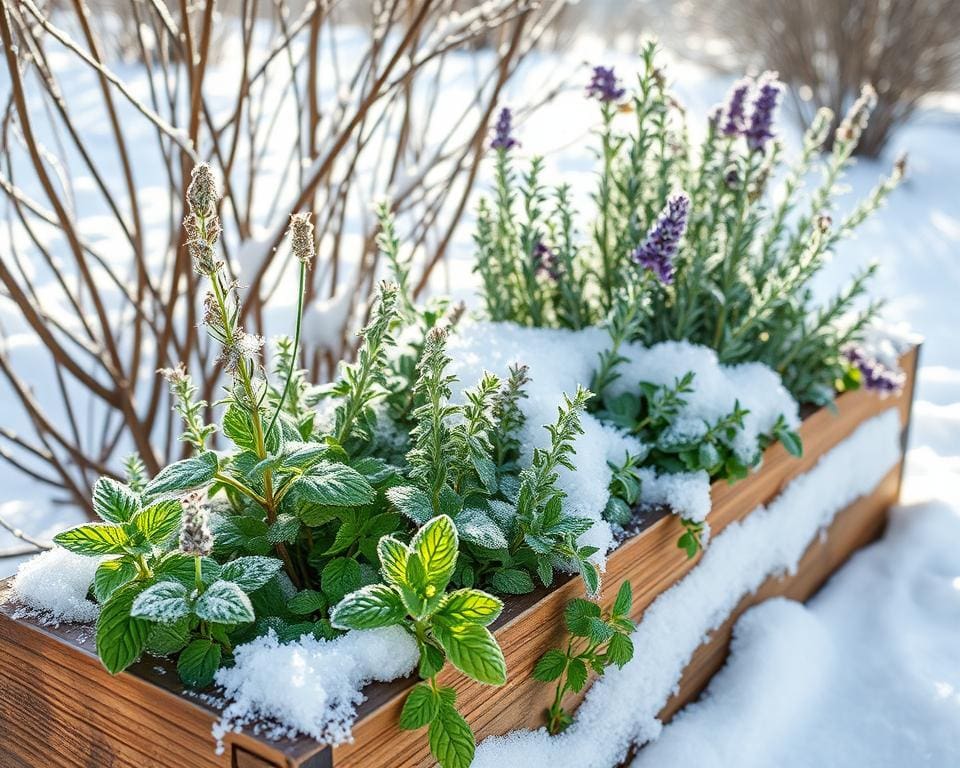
[(827, 49), (297, 114)]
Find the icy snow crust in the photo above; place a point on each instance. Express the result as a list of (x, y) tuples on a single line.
[(621, 708), (53, 586), (559, 360), (311, 686)]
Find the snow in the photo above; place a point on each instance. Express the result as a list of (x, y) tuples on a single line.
[(559, 360), (877, 683), (53, 586), (768, 541), (310, 686)]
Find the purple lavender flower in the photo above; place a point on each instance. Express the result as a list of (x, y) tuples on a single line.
[(546, 260), (734, 112), (604, 85), (660, 246), (760, 129), (875, 376), (503, 138)]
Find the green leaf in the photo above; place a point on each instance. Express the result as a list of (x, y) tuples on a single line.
[(111, 575), (436, 545), (577, 616), (93, 539), (420, 708), (284, 529), (305, 455), (624, 601), (199, 662), (164, 602), (431, 660), (550, 666), (600, 631), (474, 651), (159, 521), (120, 636), (469, 606), (251, 573), (393, 555), (181, 567), (512, 581), (306, 602), (166, 639), (224, 602), (620, 650), (791, 441), (451, 740), (183, 475), (335, 485), (373, 606), (340, 577), (590, 576), (411, 502), (113, 501), (238, 427), (576, 675), (476, 527)]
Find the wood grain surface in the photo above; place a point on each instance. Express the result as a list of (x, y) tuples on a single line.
[(60, 709)]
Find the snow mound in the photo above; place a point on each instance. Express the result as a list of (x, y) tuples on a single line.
[(311, 686), (879, 673), (623, 705), (54, 585), (559, 360)]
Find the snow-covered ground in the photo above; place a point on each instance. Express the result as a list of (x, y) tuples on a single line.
[(868, 673)]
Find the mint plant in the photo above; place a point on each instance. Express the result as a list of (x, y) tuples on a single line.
[(446, 625), (597, 640)]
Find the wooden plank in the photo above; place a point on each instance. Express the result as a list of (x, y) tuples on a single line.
[(60, 709)]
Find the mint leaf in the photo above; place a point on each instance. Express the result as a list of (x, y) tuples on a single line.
[(470, 606), (340, 577), (183, 475), (159, 521), (393, 555), (576, 675), (373, 606), (550, 666), (165, 639), (431, 660), (93, 539), (165, 602), (474, 651), (621, 606), (411, 502), (120, 636), (224, 603), (198, 663), (436, 544), (476, 527), (577, 616), (306, 602), (238, 427), (420, 708), (620, 650), (335, 485), (451, 740), (251, 573), (113, 501), (512, 581), (111, 575)]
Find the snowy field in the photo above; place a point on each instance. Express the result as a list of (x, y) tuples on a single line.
[(867, 673)]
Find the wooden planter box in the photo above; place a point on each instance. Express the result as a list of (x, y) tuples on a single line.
[(59, 707)]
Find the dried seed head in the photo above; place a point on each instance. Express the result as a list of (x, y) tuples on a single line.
[(175, 375), (823, 223), (202, 256), (900, 167), (202, 193), (244, 347), (195, 536), (856, 120), (301, 238)]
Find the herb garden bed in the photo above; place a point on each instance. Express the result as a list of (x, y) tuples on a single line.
[(59, 707)]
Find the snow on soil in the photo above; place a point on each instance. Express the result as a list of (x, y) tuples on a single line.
[(54, 586), (311, 686), (770, 540), (559, 360)]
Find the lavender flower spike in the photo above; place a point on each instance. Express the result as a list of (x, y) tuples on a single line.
[(734, 112), (503, 129), (760, 130), (660, 246), (875, 376), (604, 85)]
